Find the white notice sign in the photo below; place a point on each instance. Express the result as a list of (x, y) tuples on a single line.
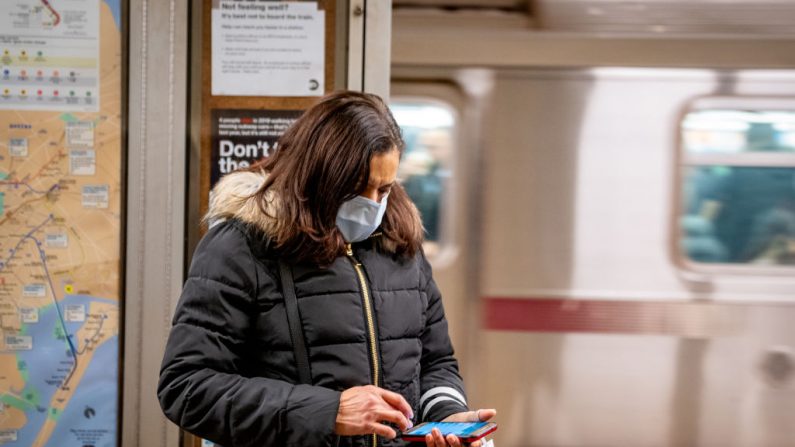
[(267, 48), (75, 313), (8, 436), (34, 290), (80, 134), (56, 240), (96, 196), (82, 162), (29, 314), (19, 342), (18, 147)]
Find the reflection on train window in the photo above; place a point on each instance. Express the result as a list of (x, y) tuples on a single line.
[(738, 131), (426, 167), (739, 187)]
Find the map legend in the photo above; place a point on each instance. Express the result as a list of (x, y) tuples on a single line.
[(66, 54)]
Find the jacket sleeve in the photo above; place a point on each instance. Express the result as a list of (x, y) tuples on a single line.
[(203, 387), (441, 387)]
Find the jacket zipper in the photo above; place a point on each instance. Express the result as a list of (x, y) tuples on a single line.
[(368, 310)]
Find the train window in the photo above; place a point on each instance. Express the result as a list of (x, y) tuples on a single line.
[(427, 165), (738, 195)]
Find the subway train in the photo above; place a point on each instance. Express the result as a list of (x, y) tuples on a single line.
[(614, 232), (607, 189)]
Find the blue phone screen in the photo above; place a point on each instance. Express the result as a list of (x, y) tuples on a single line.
[(460, 429)]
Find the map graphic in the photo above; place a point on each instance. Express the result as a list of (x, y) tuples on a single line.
[(60, 205)]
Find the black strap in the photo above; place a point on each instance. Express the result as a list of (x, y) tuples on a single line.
[(294, 320)]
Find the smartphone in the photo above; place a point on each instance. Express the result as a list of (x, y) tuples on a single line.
[(465, 431)]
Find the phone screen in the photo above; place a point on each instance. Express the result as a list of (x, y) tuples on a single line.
[(459, 429)]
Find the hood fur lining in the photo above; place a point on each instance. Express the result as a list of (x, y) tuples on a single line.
[(233, 198)]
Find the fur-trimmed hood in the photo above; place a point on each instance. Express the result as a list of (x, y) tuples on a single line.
[(233, 198)]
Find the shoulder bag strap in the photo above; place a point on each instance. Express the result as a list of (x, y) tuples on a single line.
[(294, 320)]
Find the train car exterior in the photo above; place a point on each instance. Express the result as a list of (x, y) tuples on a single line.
[(605, 299)]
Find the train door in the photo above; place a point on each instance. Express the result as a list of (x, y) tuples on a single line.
[(430, 171), (441, 171)]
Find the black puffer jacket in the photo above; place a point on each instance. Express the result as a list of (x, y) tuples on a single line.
[(229, 373)]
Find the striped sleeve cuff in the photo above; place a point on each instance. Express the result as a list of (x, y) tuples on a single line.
[(440, 396)]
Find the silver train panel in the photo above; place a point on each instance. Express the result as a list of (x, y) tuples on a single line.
[(593, 334)]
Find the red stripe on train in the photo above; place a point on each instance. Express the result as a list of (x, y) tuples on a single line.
[(601, 316)]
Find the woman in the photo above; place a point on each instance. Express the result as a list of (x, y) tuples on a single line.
[(303, 223)]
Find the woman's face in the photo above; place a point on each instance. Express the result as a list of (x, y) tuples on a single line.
[(383, 174)]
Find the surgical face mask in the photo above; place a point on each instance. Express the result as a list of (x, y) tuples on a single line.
[(359, 217)]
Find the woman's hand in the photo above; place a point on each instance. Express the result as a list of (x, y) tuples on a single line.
[(435, 439), (363, 408)]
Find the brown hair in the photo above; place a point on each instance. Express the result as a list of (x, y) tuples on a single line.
[(322, 160)]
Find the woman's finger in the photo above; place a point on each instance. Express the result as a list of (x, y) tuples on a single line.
[(396, 400), (438, 438), (453, 441), (429, 440), (472, 416), (393, 416), (481, 415), (487, 414), (382, 430)]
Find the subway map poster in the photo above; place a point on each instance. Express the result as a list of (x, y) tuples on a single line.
[(60, 221)]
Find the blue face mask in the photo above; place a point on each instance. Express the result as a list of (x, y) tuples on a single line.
[(359, 217)]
